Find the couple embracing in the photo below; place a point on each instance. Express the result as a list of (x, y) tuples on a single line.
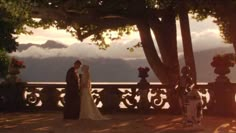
[(79, 103)]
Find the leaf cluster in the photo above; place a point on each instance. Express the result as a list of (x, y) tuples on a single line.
[(14, 15), (222, 11), (4, 63)]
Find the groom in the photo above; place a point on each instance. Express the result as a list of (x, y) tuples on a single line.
[(72, 93)]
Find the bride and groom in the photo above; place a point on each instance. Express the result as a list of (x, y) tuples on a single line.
[(79, 103)]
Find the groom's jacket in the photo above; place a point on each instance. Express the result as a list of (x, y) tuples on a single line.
[(72, 82)]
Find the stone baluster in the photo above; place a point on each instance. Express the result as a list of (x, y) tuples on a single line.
[(50, 98), (143, 84), (110, 98)]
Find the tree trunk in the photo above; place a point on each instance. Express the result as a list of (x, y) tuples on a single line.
[(233, 31), (169, 35), (167, 68), (234, 44), (150, 52), (187, 43), (165, 34)]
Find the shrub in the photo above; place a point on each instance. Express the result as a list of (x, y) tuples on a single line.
[(4, 63)]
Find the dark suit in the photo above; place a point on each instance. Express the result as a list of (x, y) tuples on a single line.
[(72, 96)]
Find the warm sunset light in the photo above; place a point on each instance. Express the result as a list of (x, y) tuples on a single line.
[(121, 66)]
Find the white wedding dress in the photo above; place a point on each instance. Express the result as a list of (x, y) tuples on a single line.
[(88, 109)]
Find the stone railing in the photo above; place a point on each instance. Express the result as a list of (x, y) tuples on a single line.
[(107, 96), (119, 96)]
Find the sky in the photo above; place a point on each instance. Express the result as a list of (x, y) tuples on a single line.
[(205, 35)]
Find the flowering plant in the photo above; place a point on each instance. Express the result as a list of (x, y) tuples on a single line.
[(227, 60), (143, 71), (223, 62), (17, 63)]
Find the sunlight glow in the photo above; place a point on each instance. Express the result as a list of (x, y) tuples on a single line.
[(41, 35), (205, 35)]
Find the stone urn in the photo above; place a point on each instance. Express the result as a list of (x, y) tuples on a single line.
[(13, 73), (222, 64), (143, 74), (14, 70)]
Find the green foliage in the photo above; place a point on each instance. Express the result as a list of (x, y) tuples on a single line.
[(222, 11), (95, 9), (98, 9), (138, 45), (103, 38), (14, 15), (17, 13), (7, 41), (4, 63)]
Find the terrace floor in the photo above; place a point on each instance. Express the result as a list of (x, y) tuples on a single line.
[(52, 122)]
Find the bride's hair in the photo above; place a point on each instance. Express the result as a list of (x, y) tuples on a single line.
[(86, 73), (85, 68)]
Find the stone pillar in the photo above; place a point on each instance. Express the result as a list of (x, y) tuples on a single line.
[(11, 97), (143, 91), (50, 98), (223, 99), (224, 94), (110, 98)]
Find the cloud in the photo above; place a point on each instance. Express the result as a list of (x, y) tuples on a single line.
[(41, 35), (207, 39), (205, 35), (118, 49)]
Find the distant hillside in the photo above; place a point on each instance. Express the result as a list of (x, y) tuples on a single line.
[(203, 59), (49, 45), (54, 69), (22, 47), (53, 44), (102, 70)]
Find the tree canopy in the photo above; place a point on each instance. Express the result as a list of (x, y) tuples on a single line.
[(224, 14), (14, 15)]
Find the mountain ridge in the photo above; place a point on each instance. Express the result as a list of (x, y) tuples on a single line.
[(49, 44)]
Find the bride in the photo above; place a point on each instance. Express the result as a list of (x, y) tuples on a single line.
[(88, 109)]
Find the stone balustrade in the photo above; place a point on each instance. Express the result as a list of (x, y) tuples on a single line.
[(107, 96), (39, 96)]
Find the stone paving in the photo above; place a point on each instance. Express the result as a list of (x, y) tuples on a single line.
[(52, 122)]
